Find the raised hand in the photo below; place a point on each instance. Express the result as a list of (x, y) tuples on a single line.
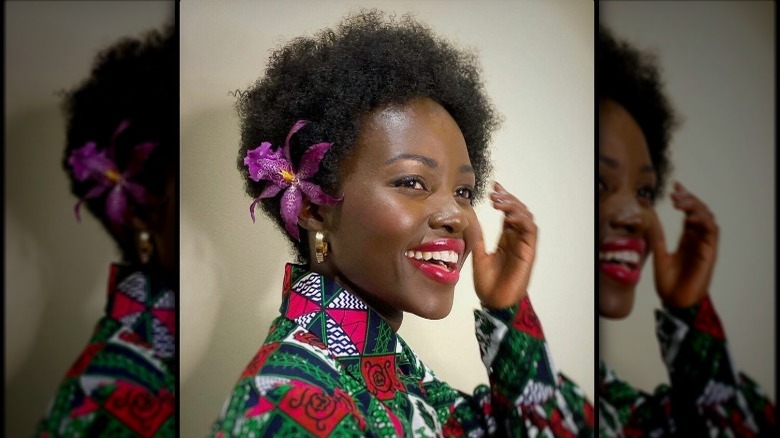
[(682, 277), (501, 278)]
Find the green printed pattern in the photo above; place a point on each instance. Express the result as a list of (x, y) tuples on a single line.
[(315, 377), (706, 396)]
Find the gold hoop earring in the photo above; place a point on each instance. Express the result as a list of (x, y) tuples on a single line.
[(145, 247), (320, 246)]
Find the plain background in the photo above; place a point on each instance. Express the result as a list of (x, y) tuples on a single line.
[(56, 269), (718, 61), (538, 69)]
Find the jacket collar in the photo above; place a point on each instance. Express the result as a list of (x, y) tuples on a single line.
[(342, 321), (140, 302)]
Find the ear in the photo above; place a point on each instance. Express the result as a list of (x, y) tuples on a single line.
[(138, 225), (310, 217)]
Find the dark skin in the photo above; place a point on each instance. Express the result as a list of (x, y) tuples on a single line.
[(161, 227), (626, 185), (409, 182)]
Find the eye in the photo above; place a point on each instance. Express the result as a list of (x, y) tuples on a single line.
[(465, 193), (411, 182), (602, 185), (647, 193)]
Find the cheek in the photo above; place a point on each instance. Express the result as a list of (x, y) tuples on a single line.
[(609, 206), (374, 226)]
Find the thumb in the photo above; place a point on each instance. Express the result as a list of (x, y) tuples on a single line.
[(474, 232), (657, 242)]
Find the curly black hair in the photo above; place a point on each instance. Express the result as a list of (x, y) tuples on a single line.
[(632, 79), (134, 80), (368, 61)]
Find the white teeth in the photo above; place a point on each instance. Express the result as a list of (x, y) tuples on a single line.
[(620, 256), (444, 256)]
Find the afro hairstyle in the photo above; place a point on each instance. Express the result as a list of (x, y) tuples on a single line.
[(133, 80), (632, 79), (369, 61)]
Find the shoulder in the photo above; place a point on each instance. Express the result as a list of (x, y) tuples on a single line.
[(116, 371), (292, 385)]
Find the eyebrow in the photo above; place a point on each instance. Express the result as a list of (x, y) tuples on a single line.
[(611, 162), (428, 161), (466, 168)]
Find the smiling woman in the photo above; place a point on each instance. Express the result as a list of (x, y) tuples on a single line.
[(706, 394), (370, 161), (410, 160)]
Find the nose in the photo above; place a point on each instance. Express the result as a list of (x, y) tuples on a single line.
[(450, 217), (630, 217)]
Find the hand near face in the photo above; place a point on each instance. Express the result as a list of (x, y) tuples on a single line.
[(682, 277), (501, 278)]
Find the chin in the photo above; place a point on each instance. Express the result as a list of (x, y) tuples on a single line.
[(435, 308), (615, 300)]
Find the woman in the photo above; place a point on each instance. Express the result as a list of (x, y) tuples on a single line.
[(367, 145), (121, 156), (706, 396)]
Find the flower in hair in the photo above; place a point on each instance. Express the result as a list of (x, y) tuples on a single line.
[(99, 167), (275, 166)]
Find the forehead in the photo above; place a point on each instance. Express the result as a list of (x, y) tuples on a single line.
[(420, 126), (620, 137)]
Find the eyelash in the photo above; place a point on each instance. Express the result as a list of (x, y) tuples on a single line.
[(469, 193), (647, 192), (411, 182)]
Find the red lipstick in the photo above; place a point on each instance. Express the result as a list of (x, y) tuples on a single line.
[(439, 259), (621, 259)]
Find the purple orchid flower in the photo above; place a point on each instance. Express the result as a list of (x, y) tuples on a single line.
[(99, 166), (275, 166)]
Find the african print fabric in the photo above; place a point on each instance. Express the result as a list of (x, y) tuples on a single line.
[(705, 397), (123, 384), (332, 366)]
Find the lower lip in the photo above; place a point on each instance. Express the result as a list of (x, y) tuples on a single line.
[(436, 273), (621, 273)]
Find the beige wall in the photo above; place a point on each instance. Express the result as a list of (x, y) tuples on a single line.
[(56, 269), (538, 66), (718, 60)]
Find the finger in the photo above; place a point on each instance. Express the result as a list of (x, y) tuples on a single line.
[(657, 240), (688, 200), (516, 214), (702, 222), (511, 206), (474, 234), (501, 196), (684, 196)]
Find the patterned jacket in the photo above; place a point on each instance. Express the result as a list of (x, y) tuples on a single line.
[(332, 366), (706, 396), (123, 383)]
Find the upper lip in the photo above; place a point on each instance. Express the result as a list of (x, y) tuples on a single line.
[(628, 250), (457, 246), (625, 244)]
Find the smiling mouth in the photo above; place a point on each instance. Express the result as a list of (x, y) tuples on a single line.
[(447, 260), (627, 259)]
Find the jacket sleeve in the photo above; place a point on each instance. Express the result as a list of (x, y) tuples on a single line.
[(708, 396), (117, 387), (527, 396)]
